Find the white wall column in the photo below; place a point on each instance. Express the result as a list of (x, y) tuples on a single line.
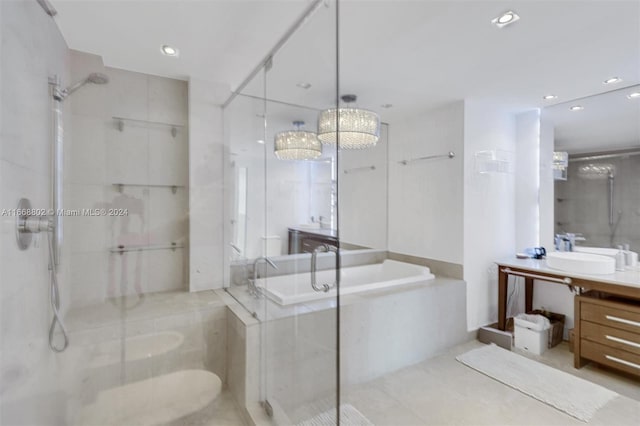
[(206, 185)]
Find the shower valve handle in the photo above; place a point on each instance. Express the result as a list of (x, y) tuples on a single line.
[(36, 224)]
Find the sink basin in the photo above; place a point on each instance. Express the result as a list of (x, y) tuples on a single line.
[(597, 250), (582, 263)]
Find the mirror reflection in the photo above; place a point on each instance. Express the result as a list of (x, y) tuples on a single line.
[(596, 189), (302, 193)]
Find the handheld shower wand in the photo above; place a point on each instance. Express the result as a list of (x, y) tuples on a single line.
[(28, 223), (26, 226)]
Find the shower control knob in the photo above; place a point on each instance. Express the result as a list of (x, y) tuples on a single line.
[(28, 225), (35, 224)]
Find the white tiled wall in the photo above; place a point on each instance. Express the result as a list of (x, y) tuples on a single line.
[(426, 197), (489, 207), (363, 194), (142, 152), (32, 49), (443, 209), (206, 182)]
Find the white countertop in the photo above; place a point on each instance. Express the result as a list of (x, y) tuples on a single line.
[(630, 278)]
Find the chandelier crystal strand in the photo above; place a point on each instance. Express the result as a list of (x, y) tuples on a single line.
[(297, 144), (359, 128)]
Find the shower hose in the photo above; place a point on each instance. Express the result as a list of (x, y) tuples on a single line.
[(54, 297)]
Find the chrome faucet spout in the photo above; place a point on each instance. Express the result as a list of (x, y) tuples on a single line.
[(253, 289)]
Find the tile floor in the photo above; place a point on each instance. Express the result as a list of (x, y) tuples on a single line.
[(222, 412), (442, 391)]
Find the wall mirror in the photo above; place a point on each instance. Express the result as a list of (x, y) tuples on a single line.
[(597, 189)]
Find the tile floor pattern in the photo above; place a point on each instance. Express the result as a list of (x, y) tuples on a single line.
[(442, 391), (222, 412)]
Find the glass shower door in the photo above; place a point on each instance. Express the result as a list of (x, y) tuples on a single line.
[(299, 321)]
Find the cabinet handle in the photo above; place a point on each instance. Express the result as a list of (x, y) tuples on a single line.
[(623, 341), (622, 361), (623, 321)]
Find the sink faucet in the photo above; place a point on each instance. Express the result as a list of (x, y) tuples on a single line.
[(253, 289), (567, 241)]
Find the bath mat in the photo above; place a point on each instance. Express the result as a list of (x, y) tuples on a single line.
[(577, 397), (349, 415)]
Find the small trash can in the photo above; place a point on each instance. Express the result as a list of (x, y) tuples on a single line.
[(531, 333)]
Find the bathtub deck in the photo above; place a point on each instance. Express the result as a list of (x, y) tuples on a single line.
[(277, 311)]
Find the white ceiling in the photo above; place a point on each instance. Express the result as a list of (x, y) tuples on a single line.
[(609, 121), (219, 40), (419, 54), (413, 54)]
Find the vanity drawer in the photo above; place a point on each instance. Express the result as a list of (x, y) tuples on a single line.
[(612, 357), (612, 337), (615, 315)]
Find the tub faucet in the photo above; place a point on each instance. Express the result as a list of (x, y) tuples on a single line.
[(253, 289)]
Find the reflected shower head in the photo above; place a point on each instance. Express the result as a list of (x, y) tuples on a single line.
[(94, 78), (594, 171)]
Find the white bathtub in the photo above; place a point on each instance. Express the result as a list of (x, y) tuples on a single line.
[(289, 289)]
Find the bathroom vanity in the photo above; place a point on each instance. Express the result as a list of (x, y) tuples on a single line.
[(306, 240), (608, 331), (607, 310)]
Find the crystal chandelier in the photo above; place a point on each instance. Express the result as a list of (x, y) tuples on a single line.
[(560, 165), (297, 144), (359, 128)]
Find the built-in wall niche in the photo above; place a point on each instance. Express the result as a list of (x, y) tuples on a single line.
[(599, 196), (128, 154)]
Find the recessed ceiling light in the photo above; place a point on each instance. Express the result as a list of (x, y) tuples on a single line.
[(612, 80), (549, 97), (260, 141), (505, 19), (169, 51), (576, 108), (304, 85), (386, 105), (634, 95)]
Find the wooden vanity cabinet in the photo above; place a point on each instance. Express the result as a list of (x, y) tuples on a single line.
[(607, 331), (307, 241)]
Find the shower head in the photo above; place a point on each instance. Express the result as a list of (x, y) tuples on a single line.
[(94, 78), (596, 171), (98, 78)]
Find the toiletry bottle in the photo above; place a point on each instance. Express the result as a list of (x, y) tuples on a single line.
[(620, 259), (631, 258), (627, 255)]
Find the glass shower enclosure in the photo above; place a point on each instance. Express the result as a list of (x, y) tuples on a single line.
[(282, 237)]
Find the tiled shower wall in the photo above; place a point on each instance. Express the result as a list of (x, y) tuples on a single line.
[(581, 205), (131, 131), (32, 49)]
